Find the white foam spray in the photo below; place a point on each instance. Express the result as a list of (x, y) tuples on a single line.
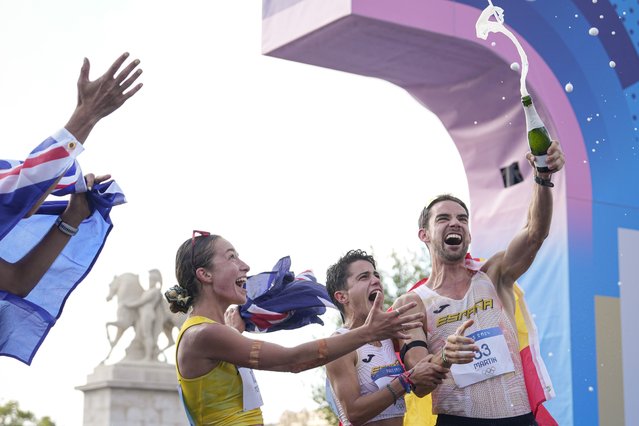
[(485, 26)]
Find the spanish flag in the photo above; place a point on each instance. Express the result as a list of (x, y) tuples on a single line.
[(419, 410)]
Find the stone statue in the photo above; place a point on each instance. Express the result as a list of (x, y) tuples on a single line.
[(145, 311)]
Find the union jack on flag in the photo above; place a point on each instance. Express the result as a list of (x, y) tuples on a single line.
[(25, 322), (279, 300), (23, 183)]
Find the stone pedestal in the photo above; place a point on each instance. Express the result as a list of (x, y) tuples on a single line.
[(132, 394)]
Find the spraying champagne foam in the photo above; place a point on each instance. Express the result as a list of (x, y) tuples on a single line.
[(485, 26)]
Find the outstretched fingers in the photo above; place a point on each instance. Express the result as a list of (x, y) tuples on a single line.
[(378, 301), (409, 318), (128, 76), (122, 75), (115, 66), (404, 308), (404, 327), (394, 323), (406, 321), (127, 83)]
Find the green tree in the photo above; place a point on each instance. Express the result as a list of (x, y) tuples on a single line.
[(405, 271), (12, 415)]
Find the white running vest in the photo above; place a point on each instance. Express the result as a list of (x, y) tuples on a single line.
[(376, 366), (496, 397)]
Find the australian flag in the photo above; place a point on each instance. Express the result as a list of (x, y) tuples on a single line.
[(279, 300), (25, 322)]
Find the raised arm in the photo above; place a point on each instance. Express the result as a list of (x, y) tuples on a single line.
[(207, 344), (21, 277), (96, 100), (506, 267)]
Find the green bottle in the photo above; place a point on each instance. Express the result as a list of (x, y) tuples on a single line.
[(538, 138)]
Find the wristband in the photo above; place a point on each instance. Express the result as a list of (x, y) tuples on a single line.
[(65, 228), (544, 182)]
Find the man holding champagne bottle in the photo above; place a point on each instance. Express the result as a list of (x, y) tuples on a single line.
[(469, 307)]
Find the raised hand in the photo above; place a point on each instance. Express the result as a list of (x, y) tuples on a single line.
[(100, 97), (107, 93), (459, 349), (393, 324)]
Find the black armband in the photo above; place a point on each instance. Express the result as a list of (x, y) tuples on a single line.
[(409, 346)]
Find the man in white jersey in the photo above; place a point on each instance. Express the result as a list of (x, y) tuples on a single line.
[(368, 385), (470, 310)]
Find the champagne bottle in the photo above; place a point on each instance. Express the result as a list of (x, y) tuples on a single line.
[(538, 138)]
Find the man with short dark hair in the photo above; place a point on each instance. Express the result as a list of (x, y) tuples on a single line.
[(368, 385), (470, 309)]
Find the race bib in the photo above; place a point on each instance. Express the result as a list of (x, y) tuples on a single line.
[(252, 398), (493, 359)]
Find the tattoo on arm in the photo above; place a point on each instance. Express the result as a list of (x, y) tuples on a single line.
[(254, 356), (322, 355)]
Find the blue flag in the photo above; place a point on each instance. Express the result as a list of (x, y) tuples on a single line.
[(25, 322), (23, 183), (279, 300)]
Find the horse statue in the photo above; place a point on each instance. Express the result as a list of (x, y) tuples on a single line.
[(146, 312)]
